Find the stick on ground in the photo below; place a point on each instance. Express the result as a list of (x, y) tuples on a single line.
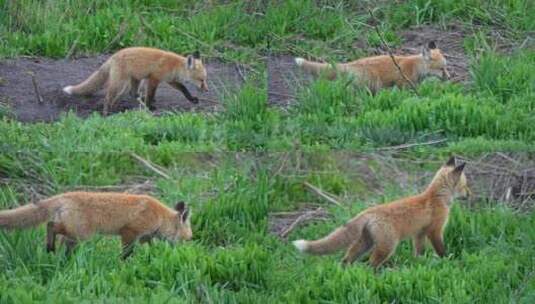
[(323, 194), (36, 88), (150, 166), (405, 146), (310, 215)]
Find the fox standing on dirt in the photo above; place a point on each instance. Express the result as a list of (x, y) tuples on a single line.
[(383, 227), (79, 215), (124, 71), (380, 71)]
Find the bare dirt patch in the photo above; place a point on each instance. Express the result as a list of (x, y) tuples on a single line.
[(283, 77), (17, 89)]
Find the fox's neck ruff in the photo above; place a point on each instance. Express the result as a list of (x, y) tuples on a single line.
[(440, 189)]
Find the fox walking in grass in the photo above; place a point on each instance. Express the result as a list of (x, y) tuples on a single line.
[(79, 215), (124, 71), (379, 72), (382, 227)]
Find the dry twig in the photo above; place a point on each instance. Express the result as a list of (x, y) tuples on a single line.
[(323, 194), (150, 166), (389, 50), (36, 88), (405, 146), (307, 216)]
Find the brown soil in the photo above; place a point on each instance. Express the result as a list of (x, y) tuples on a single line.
[(17, 90), (283, 77)]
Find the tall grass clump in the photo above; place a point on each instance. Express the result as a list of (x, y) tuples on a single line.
[(325, 110), (248, 123), (504, 77)]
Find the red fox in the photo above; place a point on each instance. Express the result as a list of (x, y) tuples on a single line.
[(124, 71), (383, 227), (380, 72), (79, 215)]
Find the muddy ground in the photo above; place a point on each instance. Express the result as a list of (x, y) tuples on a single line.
[(18, 91), (284, 75)]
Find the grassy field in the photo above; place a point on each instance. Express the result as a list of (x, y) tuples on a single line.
[(237, 166)]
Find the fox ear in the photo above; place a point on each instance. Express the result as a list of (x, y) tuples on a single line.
[(197, 55), (458, 170), (426, 53), (190, 64), (185, 215), (180, 207), (451, 162), (432, 45)]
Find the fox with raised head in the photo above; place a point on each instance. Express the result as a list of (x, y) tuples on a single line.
[(379, 72), (79, 215), (124, 71), (381, 228)]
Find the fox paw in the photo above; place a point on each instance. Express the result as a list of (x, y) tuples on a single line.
[(194, 100)]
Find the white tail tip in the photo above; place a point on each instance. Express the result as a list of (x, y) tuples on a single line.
[(301, 245), (68, 90), (299, 60)]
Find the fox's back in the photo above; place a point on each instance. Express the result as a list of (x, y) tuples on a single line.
[(407, 215), (86, 212), (141, 62), (382, 70)]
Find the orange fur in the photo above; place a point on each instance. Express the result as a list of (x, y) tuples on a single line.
[(382, 227), (124, 71), (379, 72), (79, 215)]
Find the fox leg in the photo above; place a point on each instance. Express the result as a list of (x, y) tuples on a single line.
[(128, 239), (117, 86), (357, 250), (69, 243), (52, 230), (435, 236), (134, 87), (152, 86), (418, 243), (382, 252), (50, 237), (182, 88)]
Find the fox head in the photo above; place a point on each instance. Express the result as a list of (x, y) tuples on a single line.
[(179, 227), (435, 61), (195, 71), (450, 180)]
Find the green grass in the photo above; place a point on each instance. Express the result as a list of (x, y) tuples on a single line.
[(237, 165), (234, 258)]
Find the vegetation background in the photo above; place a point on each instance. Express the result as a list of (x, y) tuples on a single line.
[(242, 166)]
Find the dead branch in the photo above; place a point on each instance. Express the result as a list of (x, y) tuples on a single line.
[(307, 216), (389, 50), (405, 146), (36, 88), (281, 94), (209, 100), (323, 194), (150, 166), (144, 187), (240, 73)]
